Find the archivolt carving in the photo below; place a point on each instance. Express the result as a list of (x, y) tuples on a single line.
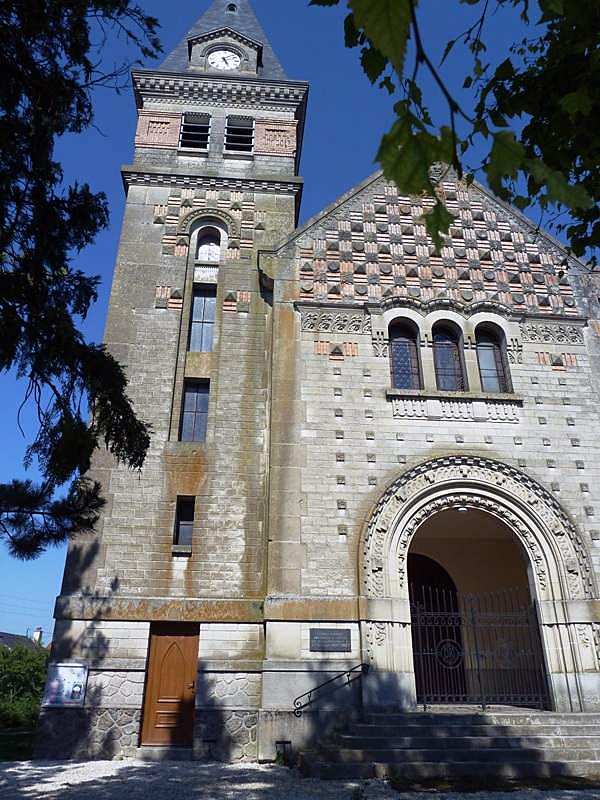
[(185, 225), (446, 303), (493, 487)]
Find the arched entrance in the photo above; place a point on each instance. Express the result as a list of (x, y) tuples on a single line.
[(526, 529), (474, 626)]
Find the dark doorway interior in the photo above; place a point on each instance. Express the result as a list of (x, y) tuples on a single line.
[(436, 632)]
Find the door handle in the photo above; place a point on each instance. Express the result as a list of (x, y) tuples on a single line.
[(191, 685)]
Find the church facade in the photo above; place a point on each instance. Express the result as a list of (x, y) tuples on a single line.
[(368, 460)]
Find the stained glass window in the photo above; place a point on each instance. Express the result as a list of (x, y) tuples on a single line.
[(491, 356), (447, 356), (404, 357)]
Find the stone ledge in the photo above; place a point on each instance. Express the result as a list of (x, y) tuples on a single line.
[(460, 406), (159, 609), (435, 394)]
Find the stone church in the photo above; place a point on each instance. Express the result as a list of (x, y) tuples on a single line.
[(374, 480)]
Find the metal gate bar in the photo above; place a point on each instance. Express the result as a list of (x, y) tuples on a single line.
[(477, 649)]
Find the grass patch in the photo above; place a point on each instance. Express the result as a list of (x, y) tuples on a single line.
[(16, 745)]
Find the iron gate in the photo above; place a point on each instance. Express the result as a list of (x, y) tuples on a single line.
[(477, 649)]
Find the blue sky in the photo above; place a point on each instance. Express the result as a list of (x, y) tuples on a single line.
[(346, 118)]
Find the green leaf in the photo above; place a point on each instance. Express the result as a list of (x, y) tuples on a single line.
[(406, 156), (351, 32), (577, 103), (504, 71), (437, 222), (505, 160), (387, 24), (387, 83), (447, 50), (558, 188), (552, 8), (373, 63), (497, 118)]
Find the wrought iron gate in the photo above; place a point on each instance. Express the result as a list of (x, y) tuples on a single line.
[(477, 649)]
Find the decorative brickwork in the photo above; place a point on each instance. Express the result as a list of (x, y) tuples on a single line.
[(374, 246), (158, 130), (275, 137)]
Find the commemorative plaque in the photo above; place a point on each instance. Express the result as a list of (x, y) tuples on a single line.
[(330, 640)]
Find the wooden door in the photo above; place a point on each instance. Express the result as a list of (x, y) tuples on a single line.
[(170, 684)]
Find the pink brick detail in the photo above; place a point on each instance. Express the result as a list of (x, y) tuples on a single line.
[(157, 129), (275, 137)]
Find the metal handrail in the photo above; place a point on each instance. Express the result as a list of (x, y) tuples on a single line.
[(307, 699)]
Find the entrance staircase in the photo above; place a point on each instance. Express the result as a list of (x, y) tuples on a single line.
[(503, 743)]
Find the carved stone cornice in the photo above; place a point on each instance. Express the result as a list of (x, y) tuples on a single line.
[(146, 176), (224, 90)]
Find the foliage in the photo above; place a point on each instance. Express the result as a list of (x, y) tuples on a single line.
[(22, 679), (531, 116), (51, 58)]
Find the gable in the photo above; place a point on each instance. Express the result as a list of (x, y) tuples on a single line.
[(373, 246)]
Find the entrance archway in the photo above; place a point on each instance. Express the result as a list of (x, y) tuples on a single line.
[(474, 627), (557, 572)]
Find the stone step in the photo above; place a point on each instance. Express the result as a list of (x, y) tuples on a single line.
[(168, 753), (475, 769), (312, 766), (443, 731), (433, 742), (481, 718), (492, 755)]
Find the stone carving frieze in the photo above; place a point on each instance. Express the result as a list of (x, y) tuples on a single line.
[(498, 489), (336, 322), (551, 334)]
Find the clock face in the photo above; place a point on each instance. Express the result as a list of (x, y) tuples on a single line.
[(224, 60)]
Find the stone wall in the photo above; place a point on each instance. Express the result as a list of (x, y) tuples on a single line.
[(87, 733)]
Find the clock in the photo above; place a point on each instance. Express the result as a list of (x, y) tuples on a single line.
[(224, 60)]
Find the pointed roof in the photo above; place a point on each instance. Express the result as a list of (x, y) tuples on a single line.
[(244, 21)]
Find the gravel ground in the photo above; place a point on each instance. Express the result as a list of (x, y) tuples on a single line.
[(137, 780)]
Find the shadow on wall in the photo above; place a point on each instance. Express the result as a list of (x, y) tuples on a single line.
[(223, 730), (92, 731)]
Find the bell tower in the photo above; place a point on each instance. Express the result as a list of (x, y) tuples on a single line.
[(176, 573)]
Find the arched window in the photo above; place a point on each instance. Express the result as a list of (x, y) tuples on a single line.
[(492, 360), (404, 356), (208, 249), (448, 358)]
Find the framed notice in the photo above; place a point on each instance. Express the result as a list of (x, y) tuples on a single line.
[(330, 640), (66, 685)]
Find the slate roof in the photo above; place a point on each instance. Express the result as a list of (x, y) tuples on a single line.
[(12, 640), (244, 22)]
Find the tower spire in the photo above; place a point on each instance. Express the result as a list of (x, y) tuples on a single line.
[(239, 16)]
